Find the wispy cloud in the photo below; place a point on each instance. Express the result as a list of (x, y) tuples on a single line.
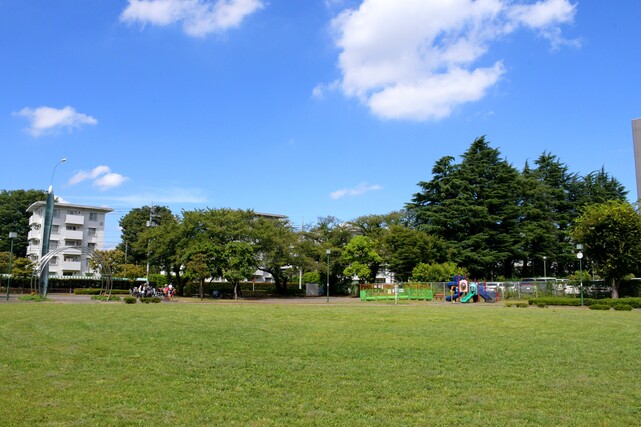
[(417, 59), (47, 120), (101, 177), (198, 17), (168, 196), (360, 189)]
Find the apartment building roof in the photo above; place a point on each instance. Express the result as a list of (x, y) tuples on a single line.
[(42, 204)]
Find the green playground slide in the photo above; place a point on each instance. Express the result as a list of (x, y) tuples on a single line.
[(470, 295)]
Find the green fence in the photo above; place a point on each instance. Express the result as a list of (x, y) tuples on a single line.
[(390, 293)]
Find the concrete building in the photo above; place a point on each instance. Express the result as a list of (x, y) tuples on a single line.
[(73, 226), (636, 138)]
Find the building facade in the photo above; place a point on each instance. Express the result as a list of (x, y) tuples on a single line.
[(73, 227), (636, 140)]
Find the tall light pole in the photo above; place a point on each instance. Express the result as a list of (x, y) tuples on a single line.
[(12, 235), (579, 255), (328, 252), (46, 232), (545, 273)]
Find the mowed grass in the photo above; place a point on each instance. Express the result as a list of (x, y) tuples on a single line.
[(287, 364)]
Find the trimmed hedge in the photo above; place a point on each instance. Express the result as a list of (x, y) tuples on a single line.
[(98, 291), (520, 304), (622, 307), (148, 300), (105, 298), (600, 307), (130, 300), (575, 302)]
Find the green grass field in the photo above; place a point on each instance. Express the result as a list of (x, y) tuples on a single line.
[(288, 364)]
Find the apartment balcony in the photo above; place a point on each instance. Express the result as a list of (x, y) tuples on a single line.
[(70, 265), (73, 234), (34, 234), (75, 219)]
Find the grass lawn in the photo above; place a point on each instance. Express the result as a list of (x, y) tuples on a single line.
[(361, 364)]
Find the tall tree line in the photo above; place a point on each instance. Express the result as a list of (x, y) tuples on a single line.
[(496, 218)]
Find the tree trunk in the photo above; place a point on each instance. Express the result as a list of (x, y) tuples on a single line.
[(202, 289), (281, 284), (237, 291), (615, 289)]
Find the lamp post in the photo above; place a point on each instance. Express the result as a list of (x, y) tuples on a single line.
[(579, 255), (328, 252), (12, 235), (545, 273)]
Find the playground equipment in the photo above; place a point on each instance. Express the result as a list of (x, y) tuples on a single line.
[(466, 291)]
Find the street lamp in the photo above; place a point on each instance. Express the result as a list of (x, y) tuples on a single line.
[(579, 255), (12, 235), (545, 274), (328, 252)]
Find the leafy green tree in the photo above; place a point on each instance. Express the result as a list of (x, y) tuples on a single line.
[(197, 268), (240, 264), (162, 243), (278, 247), (610, 233), (437, 272), (113, 260), (130, 271), (362, 259), (22, 268), (15, 218), (407, 247), (134, 224)]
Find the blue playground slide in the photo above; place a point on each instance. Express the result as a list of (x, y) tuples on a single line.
[(486, 296), (457, 295)]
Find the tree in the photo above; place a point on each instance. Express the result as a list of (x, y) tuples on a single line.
[(240, 264), (442, 272), (162, 242), (407, 247), (15, 218), (474, 207), (278, 249), (364, 262), (197, 268), (610, 233), (22, 268), (134, 224), (112, 259)]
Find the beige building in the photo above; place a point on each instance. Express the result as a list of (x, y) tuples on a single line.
[(636, 138), (73, 226)]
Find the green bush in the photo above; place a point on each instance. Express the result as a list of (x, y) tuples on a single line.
[(33, 297), (105, 297), (521, 304), (600, 307), (147, 300), (572, 302), (623, 307), (130, 300)]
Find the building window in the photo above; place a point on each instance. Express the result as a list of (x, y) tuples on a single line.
[(55, 229), (56, 213), (91, 246), (54, 261), (91, 232), (73, 228), (93, 216), (73, 212)]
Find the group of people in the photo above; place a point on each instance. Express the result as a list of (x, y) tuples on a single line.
[(146, 290)]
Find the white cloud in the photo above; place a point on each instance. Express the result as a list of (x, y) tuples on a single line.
[(198, 17), (102, 178), (417, 59), (356, 191), (46, 120)]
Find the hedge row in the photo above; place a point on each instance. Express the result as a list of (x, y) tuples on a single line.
[(226, 289), (98, 291), (575, 302)]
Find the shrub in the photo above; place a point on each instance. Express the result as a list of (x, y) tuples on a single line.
[(572, 302), (148, 300), (98, 291), (600, 307), (521, 304), (541, 305), (33, 297), (623, 307), (130, 300), (105, 297)]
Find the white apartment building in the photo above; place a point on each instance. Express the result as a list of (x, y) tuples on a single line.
[(72, 226)]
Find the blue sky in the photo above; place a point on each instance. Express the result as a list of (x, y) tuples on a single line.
[(305, 108)]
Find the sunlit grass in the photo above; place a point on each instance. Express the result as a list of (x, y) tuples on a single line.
[(368, 364)]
